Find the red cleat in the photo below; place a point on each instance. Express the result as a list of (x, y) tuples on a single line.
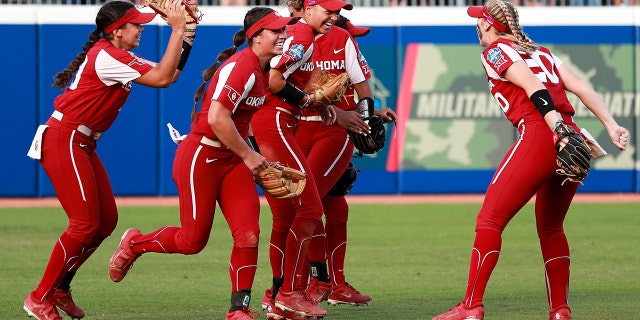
[(41, 310), (244, 314), (298, 302), (461, 312), (346, 294), (62, 299), (318, 291), (123, 259), (273, 313), (561, 313)]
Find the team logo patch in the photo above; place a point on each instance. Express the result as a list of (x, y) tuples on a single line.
[(493, 55), (499, 62), (296, 52), (363, 61), (233, 95)]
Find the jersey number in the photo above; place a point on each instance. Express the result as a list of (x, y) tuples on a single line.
[(539, 69), (537, 66)]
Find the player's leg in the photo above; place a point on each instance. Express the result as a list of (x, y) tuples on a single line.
[(197, 184), (337, 213), (328, 158), (552, 204), (66, 159), (242, 212), (274, 133), (61, 297), (510, 189)]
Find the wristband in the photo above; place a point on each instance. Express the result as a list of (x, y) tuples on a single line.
[(184, 56), (291, 94), (543, 102), (365, 107)]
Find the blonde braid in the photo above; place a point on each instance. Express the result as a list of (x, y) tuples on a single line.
[(507, 14), (295, 4)]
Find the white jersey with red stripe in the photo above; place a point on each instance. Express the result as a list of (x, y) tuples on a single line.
[(512, 99), (240, 84), (101, 86), (337, 52)]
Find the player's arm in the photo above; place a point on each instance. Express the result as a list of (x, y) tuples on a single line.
[(520, 74), (595, 104), (162, 75), (219, 119), (280, 87)]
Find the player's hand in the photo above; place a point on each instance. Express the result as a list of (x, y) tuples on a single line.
[(176, 15), (619, 136), (352, 121), (326, 112), (255, 162), (387, 115)]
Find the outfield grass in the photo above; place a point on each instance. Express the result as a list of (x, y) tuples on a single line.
[(413, 259)]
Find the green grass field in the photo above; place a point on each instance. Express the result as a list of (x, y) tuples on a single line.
[(413, 259)]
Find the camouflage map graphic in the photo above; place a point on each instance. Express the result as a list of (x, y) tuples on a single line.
[(454, 122)]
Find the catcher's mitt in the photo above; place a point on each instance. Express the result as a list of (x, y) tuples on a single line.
[(574, 159), (192, 12), (328, 88), (346, 181), (280, 181)]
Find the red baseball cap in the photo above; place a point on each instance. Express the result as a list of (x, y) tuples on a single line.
[(133, 15), (331, 5), (272, 21), (344, 23), (357, 31), (481, 12)]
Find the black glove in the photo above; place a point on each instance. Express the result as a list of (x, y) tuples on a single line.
[(374, 141), (346, 181), (574, 159)]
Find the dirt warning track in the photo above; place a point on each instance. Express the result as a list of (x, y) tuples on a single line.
[(354, 199)]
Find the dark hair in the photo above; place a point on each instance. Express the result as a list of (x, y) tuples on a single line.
[(109, 13), (341, 22), (252, 16)]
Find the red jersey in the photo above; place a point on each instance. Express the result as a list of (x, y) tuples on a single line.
[(101, 86), (295, 63), (513, 100), (337, 52), (241, 86)]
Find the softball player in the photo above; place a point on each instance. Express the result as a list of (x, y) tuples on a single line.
[(329, 151), (66, 144), (529, 83), (214, 162), (294, 220)]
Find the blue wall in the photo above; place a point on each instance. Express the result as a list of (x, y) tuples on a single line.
[(137, 150)]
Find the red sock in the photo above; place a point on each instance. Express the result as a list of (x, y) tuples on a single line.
[(318, 246), (242, 267), (162, 240), (277, 247), (555, 252), (88, 251), (64, 255), (337, 213), (337, 250), (484, 257), (295, 262)]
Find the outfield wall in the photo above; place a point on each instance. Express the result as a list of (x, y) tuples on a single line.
[(450, 134)]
